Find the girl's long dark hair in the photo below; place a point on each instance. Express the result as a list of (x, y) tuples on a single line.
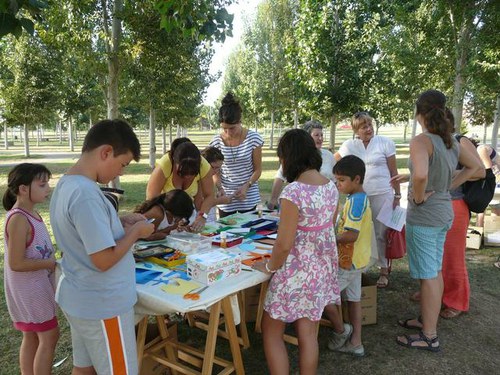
[(22, 174), (431, 104), (176, 201)]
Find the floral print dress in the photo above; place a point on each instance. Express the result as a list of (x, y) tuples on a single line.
[(307, 281)]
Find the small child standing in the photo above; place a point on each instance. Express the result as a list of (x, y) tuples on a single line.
[(215, 157), (97, 290), (354, 238), (29, 268), (169, 211), (304, 258)]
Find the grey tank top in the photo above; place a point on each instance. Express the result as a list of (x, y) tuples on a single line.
[(437, 210)]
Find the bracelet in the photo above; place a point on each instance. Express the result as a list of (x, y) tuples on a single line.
[(249, 182), (267, 268), (418, 204), (397, 196), (203, 215)]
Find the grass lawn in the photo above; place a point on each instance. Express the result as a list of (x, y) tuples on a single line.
[(470, 343)]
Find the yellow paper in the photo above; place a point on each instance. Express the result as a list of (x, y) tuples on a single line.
[(179, 286)]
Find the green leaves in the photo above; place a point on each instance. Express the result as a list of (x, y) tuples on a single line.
[(12, 20)]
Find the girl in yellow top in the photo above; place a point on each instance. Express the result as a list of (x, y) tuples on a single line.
[(184, 168)]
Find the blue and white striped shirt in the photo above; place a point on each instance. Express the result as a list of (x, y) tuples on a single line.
[(237, 169)]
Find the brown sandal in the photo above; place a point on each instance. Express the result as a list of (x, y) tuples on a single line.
[(449, 313)]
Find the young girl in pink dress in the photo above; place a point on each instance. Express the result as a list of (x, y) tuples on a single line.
[(304, 262), (29, 268)]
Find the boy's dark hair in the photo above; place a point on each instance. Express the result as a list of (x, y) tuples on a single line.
[(176, 201), (22, 174), (230, 110), (212, 154), (298, 153), (116, 133), (350, 166), (188, 158)]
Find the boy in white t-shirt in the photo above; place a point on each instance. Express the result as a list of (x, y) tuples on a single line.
[(96, 290)]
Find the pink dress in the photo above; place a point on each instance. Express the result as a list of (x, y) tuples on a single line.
[(30, 295), (307, 281)]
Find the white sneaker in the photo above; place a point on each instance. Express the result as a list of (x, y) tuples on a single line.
[(337, 340), (348, 348)]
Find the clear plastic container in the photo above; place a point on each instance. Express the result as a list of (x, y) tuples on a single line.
[(189, 243)]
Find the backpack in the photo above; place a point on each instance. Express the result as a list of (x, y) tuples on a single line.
[(478, 194)]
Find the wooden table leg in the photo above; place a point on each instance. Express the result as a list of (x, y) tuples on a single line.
[(243, 320), (163, 331), (260, 309), (233, 336), (213, 326), (141, 338)]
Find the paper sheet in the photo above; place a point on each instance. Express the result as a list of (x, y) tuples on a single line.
[(180, 286), (392, 218)]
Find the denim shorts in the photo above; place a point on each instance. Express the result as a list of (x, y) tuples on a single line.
[(425, 246)]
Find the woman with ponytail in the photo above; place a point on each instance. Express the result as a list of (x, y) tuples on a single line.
[(434, 155)]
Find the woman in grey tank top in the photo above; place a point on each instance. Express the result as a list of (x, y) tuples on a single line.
[(433, 157)]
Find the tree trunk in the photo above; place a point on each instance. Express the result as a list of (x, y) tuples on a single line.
[(6, 136), (152, 140), (256, 123), (414, 125), (70, 135), (163, 140), (485, 133), (462, 48), (496, 123), (170, 134), (38, 136), (333, 129), (26, 142), (295, 118), (112, 52), (59, 128), (271, 142)]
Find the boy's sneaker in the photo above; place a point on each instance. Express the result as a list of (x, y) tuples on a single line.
[(337, 340), (348, 348)]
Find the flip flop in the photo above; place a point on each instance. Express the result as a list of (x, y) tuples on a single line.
[(449, 313), (497, 265)]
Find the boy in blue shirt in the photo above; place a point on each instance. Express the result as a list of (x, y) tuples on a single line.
[(354, 238), (96, 290)]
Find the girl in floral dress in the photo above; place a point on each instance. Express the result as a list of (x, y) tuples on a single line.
[(303, 263)]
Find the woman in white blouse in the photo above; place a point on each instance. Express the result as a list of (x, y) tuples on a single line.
[(379, 155), (315, 129)]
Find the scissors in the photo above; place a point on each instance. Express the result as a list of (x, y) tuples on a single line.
[(194, 295)]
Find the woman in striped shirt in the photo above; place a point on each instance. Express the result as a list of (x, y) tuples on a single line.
[(242, 150)]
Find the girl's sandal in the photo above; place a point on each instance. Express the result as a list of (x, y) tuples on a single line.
[(383, 281), (431, 344)]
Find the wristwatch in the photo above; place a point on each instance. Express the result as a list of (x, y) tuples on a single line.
[(203, 215)]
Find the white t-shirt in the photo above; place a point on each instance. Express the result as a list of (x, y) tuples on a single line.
[(377, 177), (85, 222), (326, 166)]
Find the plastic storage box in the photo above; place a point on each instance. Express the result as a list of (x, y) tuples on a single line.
[(188, 243), (210, 267)]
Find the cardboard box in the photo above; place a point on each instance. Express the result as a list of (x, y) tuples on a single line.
[(368, 303), (149, 366), (210, 267), (492, 231), (474, 238)]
